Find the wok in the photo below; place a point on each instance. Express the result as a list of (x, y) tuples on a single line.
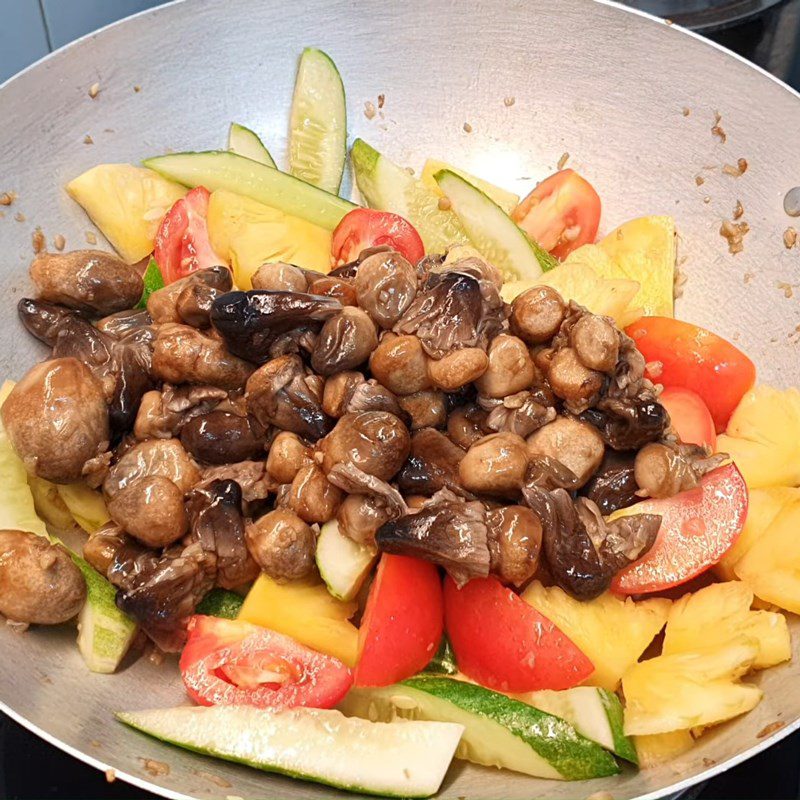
[(632, 101)]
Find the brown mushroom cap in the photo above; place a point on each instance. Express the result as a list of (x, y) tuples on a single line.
[(57, 419), (39, 582), (287, 455), (514, 534), (495, 465), (537, 314), (510, 368), (385, 285), (400, 364), (576, 444), (312, 496), (282, 545), (345, 342), (278, 276)]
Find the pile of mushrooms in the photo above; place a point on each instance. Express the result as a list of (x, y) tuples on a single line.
[(406, 401)]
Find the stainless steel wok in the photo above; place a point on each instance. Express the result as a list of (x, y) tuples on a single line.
[(630, 99)]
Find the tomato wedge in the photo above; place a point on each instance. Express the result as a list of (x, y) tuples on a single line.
[(403, 621), (561, 213), (232, 662), (697, 528), (364, 227), (690, 416), (694, 358), (505, 644), (182, 244)]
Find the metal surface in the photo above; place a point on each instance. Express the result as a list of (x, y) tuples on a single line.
[(630, 99)]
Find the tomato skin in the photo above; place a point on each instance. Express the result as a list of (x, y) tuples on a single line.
[(219, 651), (690, 416), (364, 227), (694, 358), (182, 244), (505, 644), (563, 202), (403, 621), (697, 528)]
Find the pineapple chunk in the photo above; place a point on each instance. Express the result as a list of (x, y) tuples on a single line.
[(718, 614), (611, 631), (305, 611), (771, 567), (763, 506), (248, 234), (579, 282), (127, 203), (658, 748), (686, 690), (763, 437)]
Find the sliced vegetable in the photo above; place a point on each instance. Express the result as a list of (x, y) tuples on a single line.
[(444, 662), (247, 143), (217, 169), (685, 690), (305, 611), (697, 528), (498, 731), (127, 203), (506, 200), (342, 563), (693, 358), (658, 748), (492, 232), (525, 650), (182, 244), (643, 250), (153, 281), (402, 623), (719, 613), (408, 760), (104, 632), (561, 213), (231, 662), (365, 227), (221, 603), (386, 186), (318, 122), (594, 713), (613, 632), (249, 234), (689, 416), (86, 505), (48, 504)]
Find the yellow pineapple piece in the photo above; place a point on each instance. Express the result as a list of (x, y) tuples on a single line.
[(763, 437), (659, 748), (611, 631), (763, 506), (127, 203), (307, 612), (86, 505), (248, 234), (686, 690), (718, 614), (771, 566)]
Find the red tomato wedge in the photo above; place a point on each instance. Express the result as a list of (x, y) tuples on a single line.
[(561, 213), (690, 416), (363, 227), (697, 528), (694, 358), (232, 662), (182, 244), (504, 644), (403, 621)]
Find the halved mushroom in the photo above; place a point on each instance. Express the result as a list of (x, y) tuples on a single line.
[(57, 419), (88, 280), (39, 583), (282, 545)]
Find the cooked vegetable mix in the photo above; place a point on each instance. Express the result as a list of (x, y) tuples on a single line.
[(443, 463)]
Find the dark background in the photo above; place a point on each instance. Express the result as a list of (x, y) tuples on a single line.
[(765, 31)]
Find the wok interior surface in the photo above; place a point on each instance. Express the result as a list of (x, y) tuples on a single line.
[(632, 102)]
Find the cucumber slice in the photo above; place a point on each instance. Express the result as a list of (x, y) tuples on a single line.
[(104, 632), (386, 186), (219, 169), (595, 713), (444, 662), (342, 563), (318, 122), (221, 603), (508, 201), (406, 759), (86, 505), (498, 731), (245, 142), (501, 241), (153, 281)]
